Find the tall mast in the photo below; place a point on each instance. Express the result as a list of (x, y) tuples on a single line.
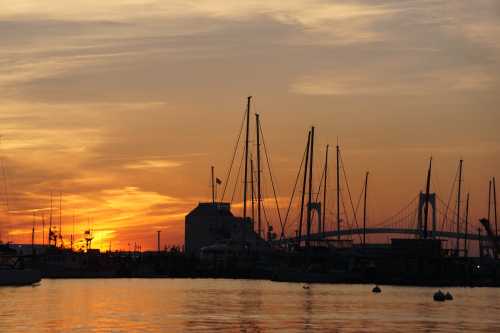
[(245, 183), (466, 224), (304, 187), (495, 206), (157, 240), (253, 193), (427, 190), (43, 228), (33, 236), (489, 201), (60, 218), (213, 185), (457, 246), (309, 200), (73, 233), (338, 191), (50, 219), (259, 194), (323, 220), (364, 209)]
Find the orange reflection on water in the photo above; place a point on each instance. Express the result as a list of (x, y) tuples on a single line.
[(197, 305)]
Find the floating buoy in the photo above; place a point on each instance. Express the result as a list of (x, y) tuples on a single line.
[(305, 287), (439, 296), (376, 289), (448, 296)]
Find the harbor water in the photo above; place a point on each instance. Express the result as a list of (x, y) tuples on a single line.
[(217, 305)]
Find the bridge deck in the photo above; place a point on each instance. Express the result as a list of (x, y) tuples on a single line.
[(359, 231)]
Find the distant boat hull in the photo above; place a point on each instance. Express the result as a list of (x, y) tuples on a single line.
[(19, 277)]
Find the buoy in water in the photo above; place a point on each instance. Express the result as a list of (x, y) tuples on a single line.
[(305, 287), (376, 289), (439, 296), (448, 296)]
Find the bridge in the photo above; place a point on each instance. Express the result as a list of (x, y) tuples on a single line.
[(400, 231), (408, 221)]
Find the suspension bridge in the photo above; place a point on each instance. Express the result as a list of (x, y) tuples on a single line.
[(407, 221)]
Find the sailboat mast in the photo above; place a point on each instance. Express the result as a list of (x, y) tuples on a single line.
[(338, 192), (259, 194), (427, 193), (43, 228), (364, 209), (212, 183), (489, 201), (304, 188), (245, 183), (73, 233), (60, 218), (495, 206), (457, 246), (323, 220), (50, 220), (253, 193), (309, 200), (33, 236), (466, 224)]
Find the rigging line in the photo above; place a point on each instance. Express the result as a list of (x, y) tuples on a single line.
[(348, 190), (271, 177), (265, 216), (360, 196), (237, 177), (349, 225), (445, 216), (454, 213), (235, 150), (294, 190), (320, 184)]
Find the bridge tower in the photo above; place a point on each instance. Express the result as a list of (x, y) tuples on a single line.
[(420, 218), (316, 206)]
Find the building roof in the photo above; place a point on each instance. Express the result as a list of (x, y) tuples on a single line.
[(212, 209)]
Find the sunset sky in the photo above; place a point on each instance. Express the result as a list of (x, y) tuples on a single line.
[(123, 106)]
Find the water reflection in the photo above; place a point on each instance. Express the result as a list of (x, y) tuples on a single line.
[(171, 305)]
